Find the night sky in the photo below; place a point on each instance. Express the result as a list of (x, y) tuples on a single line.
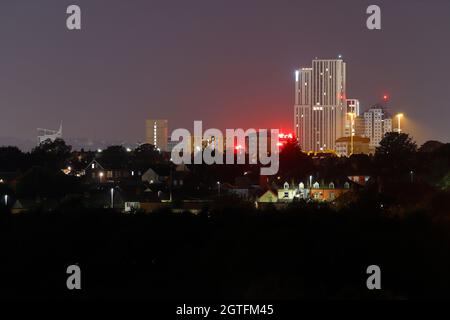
[(229, 63)]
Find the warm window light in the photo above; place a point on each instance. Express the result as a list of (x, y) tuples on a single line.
[(101, 174)]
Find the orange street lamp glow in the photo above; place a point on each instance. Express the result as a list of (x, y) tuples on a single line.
[(399, 117), (352, 130)]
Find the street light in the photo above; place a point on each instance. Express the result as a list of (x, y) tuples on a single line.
[(100, 176), (310, 181), (218, 188), (352, 130), (112, 198), (6, 200), (399, 117)]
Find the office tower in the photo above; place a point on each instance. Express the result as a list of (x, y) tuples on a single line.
[(377, 123), (352, 112), (157, 133), (320, 104)]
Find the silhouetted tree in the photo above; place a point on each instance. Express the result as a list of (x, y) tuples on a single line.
[(145, 156), (11, 159), (294, 164), (115, 157), (50, 154), (396, 154), (46, 183), (430, 146), (396, 145)]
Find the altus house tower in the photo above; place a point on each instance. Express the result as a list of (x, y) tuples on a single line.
[(320, 104), (157, 133)]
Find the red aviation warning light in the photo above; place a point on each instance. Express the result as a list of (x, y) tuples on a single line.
[(283, 138)]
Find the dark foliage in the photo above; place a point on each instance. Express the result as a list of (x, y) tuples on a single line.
[(233, 252)]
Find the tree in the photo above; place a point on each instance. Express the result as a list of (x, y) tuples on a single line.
[(115, 157), (396, 154), (294, 164), (396, 145), (11, 159), (145, 156), (430, 146), (51, 154), (46, 183)]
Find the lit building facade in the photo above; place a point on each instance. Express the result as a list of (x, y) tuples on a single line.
[(320, 104), (344, 146), (352, 112), (157, 133), (376, 124)]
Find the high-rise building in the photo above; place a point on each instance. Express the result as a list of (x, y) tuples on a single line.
[(157, 133), (320, 104), (377, 123)]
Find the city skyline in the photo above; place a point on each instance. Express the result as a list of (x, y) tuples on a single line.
[(190, 153), (167, 65)]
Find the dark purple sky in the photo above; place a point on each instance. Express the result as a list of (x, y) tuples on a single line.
[(229, 63)]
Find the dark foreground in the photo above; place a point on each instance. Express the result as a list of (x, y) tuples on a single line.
[(229, 253)]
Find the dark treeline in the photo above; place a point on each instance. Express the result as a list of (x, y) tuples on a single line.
[(228, 251)]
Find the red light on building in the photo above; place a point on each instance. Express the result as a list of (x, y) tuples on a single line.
[(283, 138)]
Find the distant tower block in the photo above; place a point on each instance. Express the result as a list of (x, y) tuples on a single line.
[(47, 134), (157, 133)]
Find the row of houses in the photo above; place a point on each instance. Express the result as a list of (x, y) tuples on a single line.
[(152, 188)]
